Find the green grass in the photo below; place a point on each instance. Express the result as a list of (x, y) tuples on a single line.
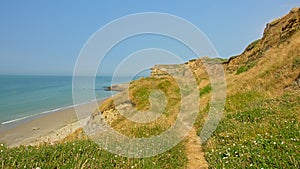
[(257, 132), (84, 154), (206, 89), (141, 89), (245, 68), (241, 69)]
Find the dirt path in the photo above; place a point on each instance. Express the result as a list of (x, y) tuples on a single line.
[(194, 152)]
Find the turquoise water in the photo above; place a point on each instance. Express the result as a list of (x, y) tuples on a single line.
[(23, 97)]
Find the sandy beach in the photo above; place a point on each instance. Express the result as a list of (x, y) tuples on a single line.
[(47, 128)]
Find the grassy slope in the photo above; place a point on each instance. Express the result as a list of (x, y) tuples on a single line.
[(258, 132), (83, 154), (260, 127)]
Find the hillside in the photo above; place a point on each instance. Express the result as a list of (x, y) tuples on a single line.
[(259, 127), (262, 92)]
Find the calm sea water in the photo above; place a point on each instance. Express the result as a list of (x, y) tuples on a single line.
[(23, 97)]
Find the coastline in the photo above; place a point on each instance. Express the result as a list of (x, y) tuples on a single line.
[(48, 127)]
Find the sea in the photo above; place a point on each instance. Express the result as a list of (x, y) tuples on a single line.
[(23, 97)]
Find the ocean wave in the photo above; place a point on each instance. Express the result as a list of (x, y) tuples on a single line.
[(48, 111)]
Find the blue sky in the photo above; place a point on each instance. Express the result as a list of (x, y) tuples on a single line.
[(46, 37)]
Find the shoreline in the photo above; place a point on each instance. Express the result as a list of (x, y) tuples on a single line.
[(50, 126)]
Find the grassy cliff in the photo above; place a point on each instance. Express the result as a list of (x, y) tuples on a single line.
[(259, 128)]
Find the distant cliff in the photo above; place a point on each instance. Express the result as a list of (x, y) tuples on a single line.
[(280, 43)]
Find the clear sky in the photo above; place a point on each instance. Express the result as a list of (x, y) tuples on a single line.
[(45, 37)]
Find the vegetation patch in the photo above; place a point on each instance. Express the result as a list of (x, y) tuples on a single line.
[(84, 154), (245, 68), (241, 69), (257, 132), (205, 90), (296, 62)]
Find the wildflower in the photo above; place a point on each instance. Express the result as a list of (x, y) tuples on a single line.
[(1, 145), (274, 142)]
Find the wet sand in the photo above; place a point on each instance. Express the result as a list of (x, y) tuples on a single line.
[(48, 128)]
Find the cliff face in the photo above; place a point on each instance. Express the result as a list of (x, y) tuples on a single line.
[(277, 33), (165, 70), (272, 60)]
